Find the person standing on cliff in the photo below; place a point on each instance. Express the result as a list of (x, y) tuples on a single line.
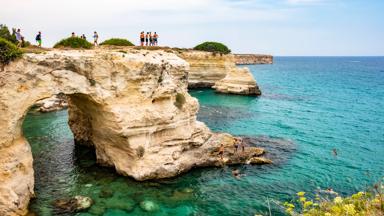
[(95, 39), (142, 38), (150, 39), (155, 37), (19, 38), (146, 39), (38, 39)]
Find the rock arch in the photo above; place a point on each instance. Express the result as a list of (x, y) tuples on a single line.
[(132, 105), (122, 103)]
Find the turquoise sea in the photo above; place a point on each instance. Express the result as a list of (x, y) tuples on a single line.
[(309, 107)]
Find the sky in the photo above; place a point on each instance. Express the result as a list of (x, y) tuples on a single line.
[(277, 27)]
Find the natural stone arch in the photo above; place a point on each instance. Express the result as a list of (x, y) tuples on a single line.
[(133, 106), (127, 99)]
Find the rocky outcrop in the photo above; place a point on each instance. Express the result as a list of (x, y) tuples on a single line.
[(220, 72), (238, 81), (251, 59), (132, 106), (55, 103)]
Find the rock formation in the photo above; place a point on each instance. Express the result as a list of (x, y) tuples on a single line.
[(238, 81), (211, 69), (132, 106), (55, 103), (250, 59)]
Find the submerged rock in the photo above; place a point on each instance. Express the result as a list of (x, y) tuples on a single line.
[(75, 204), (119, 203), (149, 206), (106, 193)]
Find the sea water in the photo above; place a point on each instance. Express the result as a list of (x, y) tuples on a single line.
[(321, 119)]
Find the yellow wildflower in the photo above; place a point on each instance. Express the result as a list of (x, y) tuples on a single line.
[(302, 199), (349, 209), (308, 204), (338, 200), (300, 194)]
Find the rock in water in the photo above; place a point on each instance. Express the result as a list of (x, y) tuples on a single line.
[(219, 72), (83, 203), (259, 161), (149, 206), (78, 203)]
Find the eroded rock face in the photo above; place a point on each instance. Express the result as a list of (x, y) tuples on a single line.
[(238, 81), (132, 106), (220, 72), (251, 59)]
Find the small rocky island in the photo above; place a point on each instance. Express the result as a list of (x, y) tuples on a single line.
[(132, 106)]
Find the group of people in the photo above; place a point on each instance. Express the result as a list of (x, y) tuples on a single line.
[(148, 39), (95, 37), (20, 38)]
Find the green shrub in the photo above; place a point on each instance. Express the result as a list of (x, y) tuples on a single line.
[(8, 52), (117, 42), (361, 203), (73, 42), (213, 47), (180, 100), (6, 34)]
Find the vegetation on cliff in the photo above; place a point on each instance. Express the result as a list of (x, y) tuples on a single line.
[(8, 52), (117, 42), (213, 47), (361, 203), (6, 34), (73, 42)]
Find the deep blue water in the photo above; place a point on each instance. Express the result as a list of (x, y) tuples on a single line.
[(309, 106)]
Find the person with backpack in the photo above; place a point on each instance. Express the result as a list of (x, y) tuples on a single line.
[(38, 39)]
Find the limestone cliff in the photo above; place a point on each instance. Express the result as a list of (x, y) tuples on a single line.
[(132, 106), (250, 59), (220, 72)]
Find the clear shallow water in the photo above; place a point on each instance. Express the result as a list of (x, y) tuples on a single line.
[(309, 107)]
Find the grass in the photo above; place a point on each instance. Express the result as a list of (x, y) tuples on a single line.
[(214, 47), (8, 52), (117, 42), (73, 42)]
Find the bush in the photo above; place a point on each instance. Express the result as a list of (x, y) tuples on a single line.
[(6, 34), (117, 42), (8, 52), (180, 100), (213, 47), (73, 42)]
